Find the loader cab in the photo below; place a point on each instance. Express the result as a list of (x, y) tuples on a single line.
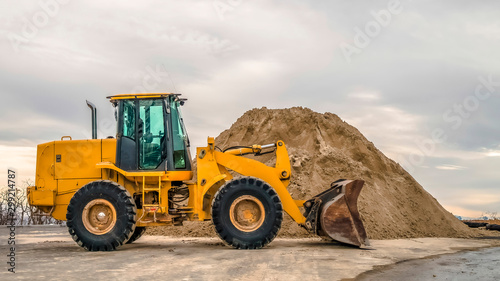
[(150, 133)]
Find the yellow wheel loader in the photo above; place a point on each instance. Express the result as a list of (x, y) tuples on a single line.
[(110, 190)]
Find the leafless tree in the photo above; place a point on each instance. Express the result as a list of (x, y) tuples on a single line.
[(25, 213)]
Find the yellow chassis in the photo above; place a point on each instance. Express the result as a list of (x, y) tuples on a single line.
[(212, 172)]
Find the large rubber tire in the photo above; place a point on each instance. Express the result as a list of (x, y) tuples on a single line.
[(138, 232), (269, 221), (121, 225)]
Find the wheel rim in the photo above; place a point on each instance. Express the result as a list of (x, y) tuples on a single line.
[(99, 216), (247, 213)]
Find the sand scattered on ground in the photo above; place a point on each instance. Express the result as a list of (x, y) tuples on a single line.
[(323, 148)]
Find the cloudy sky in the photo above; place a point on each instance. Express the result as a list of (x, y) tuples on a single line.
[(420, 79)]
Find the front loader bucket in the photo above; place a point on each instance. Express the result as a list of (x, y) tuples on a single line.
[(334, 213)]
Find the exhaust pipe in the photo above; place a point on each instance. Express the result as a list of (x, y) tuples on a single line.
[(94, 119)]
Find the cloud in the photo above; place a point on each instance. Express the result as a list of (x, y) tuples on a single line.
[(450, 167), (422, 65), (19, 158), (365, 96), (463, 212)]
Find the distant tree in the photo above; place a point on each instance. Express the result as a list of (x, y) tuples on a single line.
[(490, 216), (25, 214)]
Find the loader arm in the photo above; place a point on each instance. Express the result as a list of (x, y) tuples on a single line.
[(212, 172), (278, 177)]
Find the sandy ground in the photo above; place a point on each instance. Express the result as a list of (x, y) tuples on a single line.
[(469, 265), (49, 253)]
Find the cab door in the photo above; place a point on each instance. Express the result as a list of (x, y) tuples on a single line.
[(141, 141)]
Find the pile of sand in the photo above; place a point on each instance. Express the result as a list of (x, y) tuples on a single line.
[(323, 148)]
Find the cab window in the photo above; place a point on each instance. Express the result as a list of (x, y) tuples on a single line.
[(178, 136), (129, 119), (151, 133)]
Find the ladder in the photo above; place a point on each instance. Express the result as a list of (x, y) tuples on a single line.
[(148, 189)]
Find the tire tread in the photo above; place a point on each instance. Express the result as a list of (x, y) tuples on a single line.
[(123, 197), (219, 225)]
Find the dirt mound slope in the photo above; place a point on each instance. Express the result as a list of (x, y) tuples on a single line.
[(323, 148)]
